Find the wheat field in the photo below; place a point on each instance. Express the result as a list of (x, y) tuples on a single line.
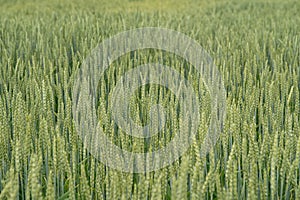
[(255, 45)]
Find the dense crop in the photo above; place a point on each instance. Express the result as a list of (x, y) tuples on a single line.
[(254, 44)]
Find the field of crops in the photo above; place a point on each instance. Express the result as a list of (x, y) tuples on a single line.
[(255, 45)]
